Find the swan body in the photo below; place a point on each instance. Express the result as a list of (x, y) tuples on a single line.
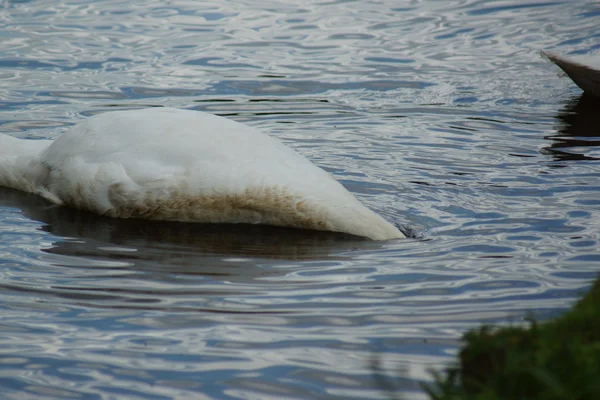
[(183, 165)]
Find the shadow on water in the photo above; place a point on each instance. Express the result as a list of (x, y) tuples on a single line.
[(207, 249), (578, 132)]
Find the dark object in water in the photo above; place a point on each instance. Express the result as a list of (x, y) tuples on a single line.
[(586, 76), (577, 135)]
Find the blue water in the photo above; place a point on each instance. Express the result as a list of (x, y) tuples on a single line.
[(439, 115)]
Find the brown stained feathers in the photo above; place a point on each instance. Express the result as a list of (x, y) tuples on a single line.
[(272, 206)]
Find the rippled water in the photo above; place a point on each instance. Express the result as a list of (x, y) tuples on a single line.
[(440, 115)]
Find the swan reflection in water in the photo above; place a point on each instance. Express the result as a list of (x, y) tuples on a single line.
[(187, 248), (578, 135)]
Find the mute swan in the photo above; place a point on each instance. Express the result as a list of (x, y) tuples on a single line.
[(183, 165)]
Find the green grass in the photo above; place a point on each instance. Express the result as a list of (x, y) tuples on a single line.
[(557, 360)]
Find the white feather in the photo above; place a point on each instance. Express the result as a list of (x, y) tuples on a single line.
[(182, 165)]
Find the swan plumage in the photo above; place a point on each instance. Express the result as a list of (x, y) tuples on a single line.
[(184, 165)]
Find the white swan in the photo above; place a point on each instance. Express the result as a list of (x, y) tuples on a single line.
[(183, 165)]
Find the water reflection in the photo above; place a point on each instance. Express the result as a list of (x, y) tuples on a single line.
[(578, 133), (193, 248)]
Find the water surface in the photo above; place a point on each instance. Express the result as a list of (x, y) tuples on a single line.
[(441, 116)]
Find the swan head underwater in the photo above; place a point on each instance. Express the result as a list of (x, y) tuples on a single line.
[(183, 165)]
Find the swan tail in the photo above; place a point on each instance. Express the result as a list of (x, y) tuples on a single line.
[(363, 222), (20, 167), (584, 76)]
